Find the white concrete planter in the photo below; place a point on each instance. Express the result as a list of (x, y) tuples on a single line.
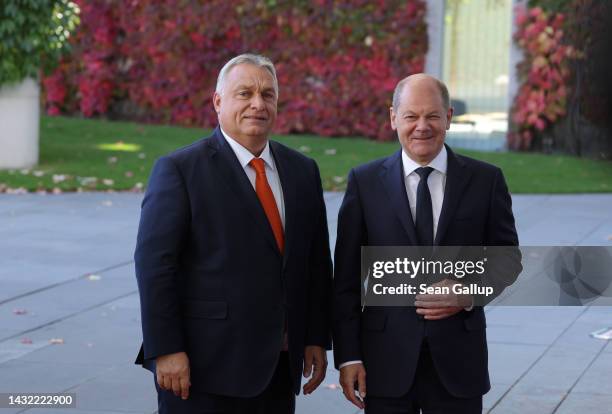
[(19, 124)]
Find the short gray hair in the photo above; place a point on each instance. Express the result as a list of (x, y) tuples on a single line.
[(251, 59), (397, 93)]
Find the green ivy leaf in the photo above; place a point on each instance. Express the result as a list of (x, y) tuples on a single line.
[(28, 33)]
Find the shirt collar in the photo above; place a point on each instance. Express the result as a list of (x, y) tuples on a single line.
[(245, 156), (439, 163)]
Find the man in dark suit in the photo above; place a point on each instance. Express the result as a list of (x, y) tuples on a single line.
[(431, 357), (233, 262)]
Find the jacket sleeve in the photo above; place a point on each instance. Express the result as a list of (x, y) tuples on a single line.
[(319, 311), (501, 230), (504, 264), (164, 224), (347, 277)]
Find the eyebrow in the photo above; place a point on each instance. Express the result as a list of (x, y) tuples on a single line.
[(409, 112), (241, 87)]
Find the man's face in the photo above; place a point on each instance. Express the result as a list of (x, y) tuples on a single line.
[(421, 120), (247, 103)]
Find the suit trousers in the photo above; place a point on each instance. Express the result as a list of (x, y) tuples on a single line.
[(277, 398), (427, 395)]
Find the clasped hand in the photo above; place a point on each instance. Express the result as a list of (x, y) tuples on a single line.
[(440, 306)]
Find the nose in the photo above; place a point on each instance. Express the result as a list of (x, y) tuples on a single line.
[(422, 124), (257, 102)]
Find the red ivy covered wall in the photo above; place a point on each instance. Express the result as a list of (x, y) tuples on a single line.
[(151, 60), (544, 72)]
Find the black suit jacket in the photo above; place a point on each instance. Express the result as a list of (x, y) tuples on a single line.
[(375, 212), (212, 281)]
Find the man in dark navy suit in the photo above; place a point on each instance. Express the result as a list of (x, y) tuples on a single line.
[(431, 357), (233, 262)]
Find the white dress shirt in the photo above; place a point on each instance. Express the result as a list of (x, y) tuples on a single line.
[(436, 182), (245, 156)]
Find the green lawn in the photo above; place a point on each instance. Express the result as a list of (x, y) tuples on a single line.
[(103, 155)]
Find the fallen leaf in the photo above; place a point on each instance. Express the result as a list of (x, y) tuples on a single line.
[(56, 341), (112, 160), (129, 174), (108, 181), (38, 173), (304, 148), (20, 311), (57, 190), (58, 178), (330, 151), (93, 277), (142, 155), (19, 190), (26, 341), (87, 180)]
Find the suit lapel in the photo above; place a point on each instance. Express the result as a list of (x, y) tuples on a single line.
[(392, 177), (232, 173), (287, 178), (457, 177)]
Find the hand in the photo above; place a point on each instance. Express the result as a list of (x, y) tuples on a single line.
[(173, 373), (349, 376), (315, 363), (440, 306)]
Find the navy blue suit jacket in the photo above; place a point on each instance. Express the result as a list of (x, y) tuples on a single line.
[(476, 211), (212, 281)]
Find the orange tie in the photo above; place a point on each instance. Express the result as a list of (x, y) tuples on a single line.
[(266, 198)]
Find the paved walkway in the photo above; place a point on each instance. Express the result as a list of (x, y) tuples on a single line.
[(66, 276)]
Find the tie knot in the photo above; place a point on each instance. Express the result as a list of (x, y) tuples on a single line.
[(258, 165), (424, 172)]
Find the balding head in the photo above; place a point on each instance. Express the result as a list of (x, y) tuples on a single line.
[(421, 80)]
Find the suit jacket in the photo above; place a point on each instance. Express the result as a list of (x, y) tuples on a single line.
[(375, 211), (212, 281)]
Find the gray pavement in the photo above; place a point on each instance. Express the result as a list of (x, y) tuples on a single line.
[(66, 276)]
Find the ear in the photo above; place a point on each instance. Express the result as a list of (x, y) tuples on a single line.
[(217, 102), (449, 116), (392, 118)]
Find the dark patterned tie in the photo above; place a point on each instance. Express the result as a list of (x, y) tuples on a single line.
[(424, 211)]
